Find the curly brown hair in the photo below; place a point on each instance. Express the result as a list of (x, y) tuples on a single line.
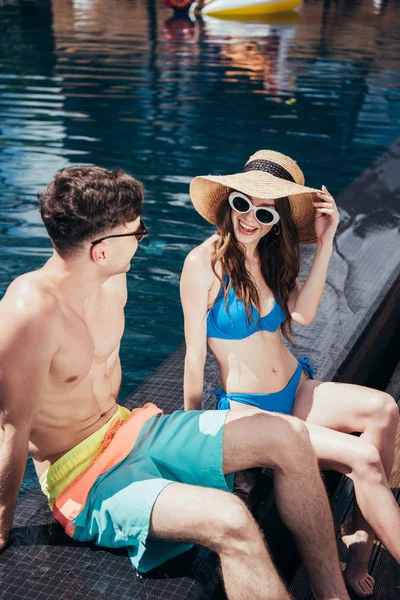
[(82, 203), (279, 262)]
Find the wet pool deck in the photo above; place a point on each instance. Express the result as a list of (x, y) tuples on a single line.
[(353, 338)]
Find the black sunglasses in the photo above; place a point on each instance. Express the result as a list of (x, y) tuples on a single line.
[(139, 234)]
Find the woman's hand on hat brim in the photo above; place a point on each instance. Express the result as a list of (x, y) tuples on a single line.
[(326, 216)]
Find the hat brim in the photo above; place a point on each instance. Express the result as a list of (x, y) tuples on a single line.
[(208, 191)]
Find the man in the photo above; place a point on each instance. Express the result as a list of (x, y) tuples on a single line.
[(132, 479)]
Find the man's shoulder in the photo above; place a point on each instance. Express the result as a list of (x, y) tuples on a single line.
[(29, 298)]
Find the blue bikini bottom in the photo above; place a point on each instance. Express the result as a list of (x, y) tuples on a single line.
[(281, 402)]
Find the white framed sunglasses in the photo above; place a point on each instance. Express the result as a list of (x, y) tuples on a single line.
[(263, 214)]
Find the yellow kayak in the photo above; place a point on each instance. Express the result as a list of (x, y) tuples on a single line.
[(238, 8)]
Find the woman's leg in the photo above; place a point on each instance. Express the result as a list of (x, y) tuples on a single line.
[(351, 408), (360, 461), (348, 408)]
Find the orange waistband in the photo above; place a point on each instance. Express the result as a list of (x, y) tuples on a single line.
[(116, 445)]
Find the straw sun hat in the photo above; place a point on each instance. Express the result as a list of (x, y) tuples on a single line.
[(267, 175)]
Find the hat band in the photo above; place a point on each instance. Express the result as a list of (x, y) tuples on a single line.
[(268, 167)]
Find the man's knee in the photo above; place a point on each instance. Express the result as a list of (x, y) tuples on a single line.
[(299, 450), (294, 434), (292, 445), (233, 525), (299, 431), (286, 427)]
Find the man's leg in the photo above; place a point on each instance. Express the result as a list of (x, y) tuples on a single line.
[(221, 522), (255, 438)]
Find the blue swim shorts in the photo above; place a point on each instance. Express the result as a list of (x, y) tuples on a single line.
[(185, 447)]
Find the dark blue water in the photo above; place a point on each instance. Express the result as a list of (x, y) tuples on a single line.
[(122, 83)]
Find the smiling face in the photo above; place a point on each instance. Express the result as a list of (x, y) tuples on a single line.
[(246, 228)]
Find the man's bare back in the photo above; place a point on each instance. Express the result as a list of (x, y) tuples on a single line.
[(84, 374)]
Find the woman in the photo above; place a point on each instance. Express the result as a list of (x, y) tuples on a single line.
[(240, 292)]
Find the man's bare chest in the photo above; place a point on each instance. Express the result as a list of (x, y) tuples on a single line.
[(87, 342)]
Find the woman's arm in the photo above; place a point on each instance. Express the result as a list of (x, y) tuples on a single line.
[(196, 281), (304, 301)]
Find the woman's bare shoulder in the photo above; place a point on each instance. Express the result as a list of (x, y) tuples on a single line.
[(201, 256)]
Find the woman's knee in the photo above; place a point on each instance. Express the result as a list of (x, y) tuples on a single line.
[(366, 463), (383, 409)]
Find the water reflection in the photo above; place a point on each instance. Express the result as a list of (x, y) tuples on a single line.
[(164, 96)]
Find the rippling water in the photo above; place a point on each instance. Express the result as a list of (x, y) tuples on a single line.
[(122, 83)]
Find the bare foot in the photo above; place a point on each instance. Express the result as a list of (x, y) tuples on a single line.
[(356, 573)]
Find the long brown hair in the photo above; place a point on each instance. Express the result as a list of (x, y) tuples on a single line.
[(279, 262)]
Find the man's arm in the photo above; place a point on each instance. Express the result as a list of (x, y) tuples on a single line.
[(27, 346)]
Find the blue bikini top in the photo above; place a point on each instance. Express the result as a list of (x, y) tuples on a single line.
[(234, 325)]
